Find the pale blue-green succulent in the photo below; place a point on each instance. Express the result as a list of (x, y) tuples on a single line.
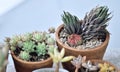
[(28, 46), (14, 40), (24, 55), (26, 37), (38, 36), (41, 49), (29, 43)]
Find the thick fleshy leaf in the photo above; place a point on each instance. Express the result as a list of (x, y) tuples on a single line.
[(62, 53), (68, 58), (51, 55), (56, 53)]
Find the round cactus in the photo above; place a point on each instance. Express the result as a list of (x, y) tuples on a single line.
[(74, 40)]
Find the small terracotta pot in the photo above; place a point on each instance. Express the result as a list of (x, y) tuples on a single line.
[(94, 53), (24, 66), (103, 61)]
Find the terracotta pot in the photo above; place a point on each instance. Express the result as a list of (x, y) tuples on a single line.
[(24, 66), (103, 61), (94, 53)]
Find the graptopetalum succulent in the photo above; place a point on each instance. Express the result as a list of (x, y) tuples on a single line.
[(90, 67), (31, 46), (93, 26), (59, 57), (77, 62)]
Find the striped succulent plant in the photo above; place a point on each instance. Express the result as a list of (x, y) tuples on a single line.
[(95, 22), (72, 24), (93, 26)]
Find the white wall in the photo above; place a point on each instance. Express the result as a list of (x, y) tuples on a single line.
[(41, 14)]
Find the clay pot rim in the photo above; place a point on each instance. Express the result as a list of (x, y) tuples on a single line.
[(26, 62), (86, 50)]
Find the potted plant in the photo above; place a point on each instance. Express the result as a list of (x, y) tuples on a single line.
[(87, 37), (81, 65), (3, 57), (30, 51), (57, 58)]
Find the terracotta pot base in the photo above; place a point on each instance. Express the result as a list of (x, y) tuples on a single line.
[(24, 66)]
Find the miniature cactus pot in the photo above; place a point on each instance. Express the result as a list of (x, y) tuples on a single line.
[(24, 66), (94, 53)]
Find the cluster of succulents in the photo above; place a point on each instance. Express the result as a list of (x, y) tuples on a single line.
[(58, 57), (106, 68), (93, 26), (3, 57), (31, 46), (82, 65)]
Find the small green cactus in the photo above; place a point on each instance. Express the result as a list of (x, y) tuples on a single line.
[(74, 40), (24, 55), (28, 46), (41, 49)]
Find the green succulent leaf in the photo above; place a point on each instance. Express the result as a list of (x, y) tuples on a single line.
[(24, 55), (41, 49), (28, 46)]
